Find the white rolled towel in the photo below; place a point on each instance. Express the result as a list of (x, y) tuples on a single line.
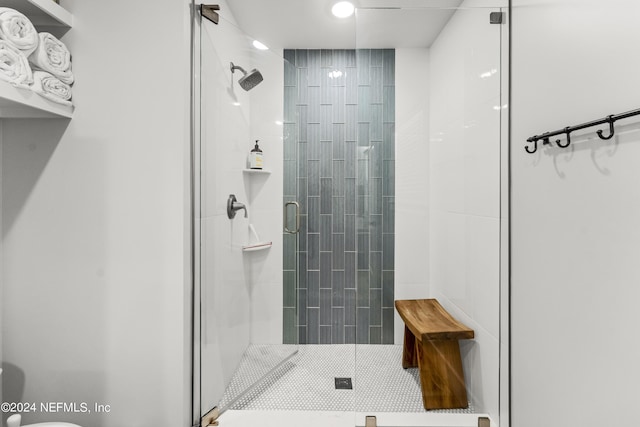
[(52, 56), (14, 67), (18, 30), (49, 86)]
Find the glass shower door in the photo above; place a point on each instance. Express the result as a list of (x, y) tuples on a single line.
[(238, 313), (430, 211)]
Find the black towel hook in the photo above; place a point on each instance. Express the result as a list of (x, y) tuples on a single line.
[(533, 139), (567, 131), (611, 129)]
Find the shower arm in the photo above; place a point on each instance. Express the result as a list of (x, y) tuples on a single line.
[(235, 67)]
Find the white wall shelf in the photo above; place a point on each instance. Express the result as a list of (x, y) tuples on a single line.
[(260, 246), (46, 15), (256, 171), (24, 103)]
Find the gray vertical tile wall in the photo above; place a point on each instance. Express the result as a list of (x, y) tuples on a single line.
[(339, 164)]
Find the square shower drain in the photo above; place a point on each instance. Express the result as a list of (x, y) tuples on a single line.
[(343, 383)]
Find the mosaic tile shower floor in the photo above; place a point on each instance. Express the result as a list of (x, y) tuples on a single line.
[(306, 381)]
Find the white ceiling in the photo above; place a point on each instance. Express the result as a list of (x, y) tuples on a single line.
[(310, 24)]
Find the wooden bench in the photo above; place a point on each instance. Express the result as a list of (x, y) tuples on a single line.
[(431, 337)]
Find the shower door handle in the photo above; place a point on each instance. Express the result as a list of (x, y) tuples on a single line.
[(286, 217)]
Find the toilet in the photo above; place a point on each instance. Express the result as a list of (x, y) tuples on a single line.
[(15, 419)]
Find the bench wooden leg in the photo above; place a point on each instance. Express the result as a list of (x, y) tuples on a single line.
[(441, 375), (409, 353)]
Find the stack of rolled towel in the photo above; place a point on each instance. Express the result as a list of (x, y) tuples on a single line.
[(36, 61)]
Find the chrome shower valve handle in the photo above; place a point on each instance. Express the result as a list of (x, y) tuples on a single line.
[(233, 206)]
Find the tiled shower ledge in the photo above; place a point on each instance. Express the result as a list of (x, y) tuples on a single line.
[(235, 418)]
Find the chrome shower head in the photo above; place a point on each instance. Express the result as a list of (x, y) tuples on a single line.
[(250, 79)]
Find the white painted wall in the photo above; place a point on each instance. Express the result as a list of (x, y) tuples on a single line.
[(464, 191), (575, 233), (95, 226)]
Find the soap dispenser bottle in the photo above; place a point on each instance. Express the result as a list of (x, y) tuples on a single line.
[(255, 157)]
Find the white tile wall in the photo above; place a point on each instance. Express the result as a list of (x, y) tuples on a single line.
[(412, 179), (265, 199)]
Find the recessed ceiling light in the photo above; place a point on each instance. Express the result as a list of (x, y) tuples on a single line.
[(343, 9), (260, 46)]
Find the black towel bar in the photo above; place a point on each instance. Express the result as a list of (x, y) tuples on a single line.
[(567, 131)]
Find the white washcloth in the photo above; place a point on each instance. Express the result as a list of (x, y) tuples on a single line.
[(14, 66), (18, 30), (52, 56), (47, 85)]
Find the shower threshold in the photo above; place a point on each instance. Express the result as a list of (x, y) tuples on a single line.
[(243, 418)]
